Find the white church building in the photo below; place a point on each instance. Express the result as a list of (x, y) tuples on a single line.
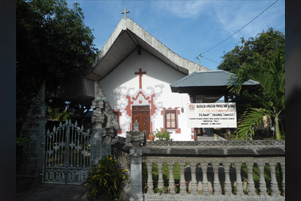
[(135, 72)]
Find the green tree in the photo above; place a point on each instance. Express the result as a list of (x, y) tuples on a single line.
[(255, 51), (249, 56), (52, 43), (271, 76)]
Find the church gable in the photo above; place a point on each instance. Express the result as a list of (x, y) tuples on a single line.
[(135, 71), (128, 36), (138, 88)]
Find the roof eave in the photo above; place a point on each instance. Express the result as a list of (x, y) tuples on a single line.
[(148, 42)]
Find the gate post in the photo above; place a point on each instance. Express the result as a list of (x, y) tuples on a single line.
[(97, 121), (105, 126), (136, 140), (30, 159)]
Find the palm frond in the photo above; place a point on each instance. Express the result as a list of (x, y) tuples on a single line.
[(250, 121)]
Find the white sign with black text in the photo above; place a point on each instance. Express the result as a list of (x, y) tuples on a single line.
[(212, 115)]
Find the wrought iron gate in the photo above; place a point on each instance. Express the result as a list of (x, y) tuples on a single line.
[(67, 154)]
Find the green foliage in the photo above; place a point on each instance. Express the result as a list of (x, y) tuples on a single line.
[(106, 178), (255, 59), (52, 43), (162, 135), (60, 110), (254, 51), (271, 77), (155, 175), (249, 123), (144, 177), (165, 174), (56, 115), (267, 176), (20, 140)]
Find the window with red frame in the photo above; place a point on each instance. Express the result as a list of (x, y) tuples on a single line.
[(170, 119)]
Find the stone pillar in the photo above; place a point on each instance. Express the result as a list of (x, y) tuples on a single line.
[(97, 122), (150, 185), (205, 180), (136, 174), (160, 179), (228, 189), (136, 140), (216, 183), (107, 140), (251, 184), (194, 186), (274, 184), (182, 179), (104, 126), (30, 168), (239, 187), (171, 179), (262, 183)]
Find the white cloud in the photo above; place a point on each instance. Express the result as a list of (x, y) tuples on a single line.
[(182, 9), (235, 15)]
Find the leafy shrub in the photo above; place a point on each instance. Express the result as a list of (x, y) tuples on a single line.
[(106, 178), (163, 135)]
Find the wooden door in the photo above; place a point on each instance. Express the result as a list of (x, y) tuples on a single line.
[(142, 115)]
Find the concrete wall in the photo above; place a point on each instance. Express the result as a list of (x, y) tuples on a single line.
[(225, 159)]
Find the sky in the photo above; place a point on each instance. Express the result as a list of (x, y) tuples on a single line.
[(188, 27)]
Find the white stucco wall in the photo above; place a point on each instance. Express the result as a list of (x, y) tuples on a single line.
[(122, 81)]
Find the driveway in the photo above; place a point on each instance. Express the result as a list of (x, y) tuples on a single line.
[(54, 192)]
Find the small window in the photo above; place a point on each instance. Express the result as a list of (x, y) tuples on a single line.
[(170, 119)]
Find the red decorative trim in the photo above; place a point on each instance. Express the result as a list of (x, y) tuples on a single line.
[(192, 137), (192, 130), (118, 120), (153, 107), (128, 107), (178, 130), (150, 100), (140, 92)]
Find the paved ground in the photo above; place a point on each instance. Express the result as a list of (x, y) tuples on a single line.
[(54, 192)]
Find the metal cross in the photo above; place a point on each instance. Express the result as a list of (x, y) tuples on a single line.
[(125, 12)]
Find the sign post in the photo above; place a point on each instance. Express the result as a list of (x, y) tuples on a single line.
[(212, 115)]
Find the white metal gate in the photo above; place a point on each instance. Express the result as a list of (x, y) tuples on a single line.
[(67, 154)]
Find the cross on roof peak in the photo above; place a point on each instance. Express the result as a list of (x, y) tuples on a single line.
[(125, 12)]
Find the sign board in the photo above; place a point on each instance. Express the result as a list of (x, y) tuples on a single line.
[(212, 115)]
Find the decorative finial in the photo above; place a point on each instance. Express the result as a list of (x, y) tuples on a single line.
[(125, 12), (136, 126)]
